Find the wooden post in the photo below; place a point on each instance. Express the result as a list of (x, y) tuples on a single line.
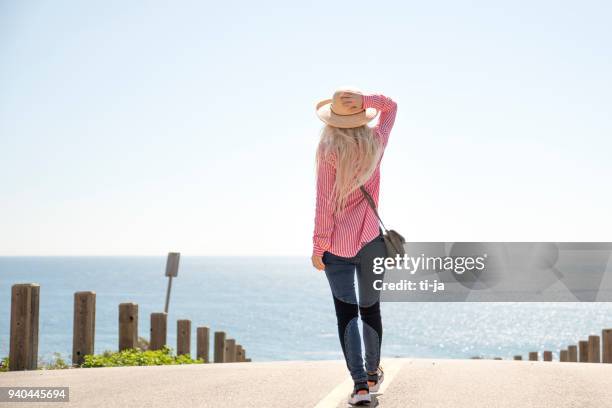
[(547, 356), (572, 354), (202, 343), (563, 356), (594, 355), (83, 326), (159, 330), (606, 345), (583, 351), (23, 353), (183, 337), (230, 350), (533, 356), (518, 357), (219, 347), (128, 326), (239, 353)]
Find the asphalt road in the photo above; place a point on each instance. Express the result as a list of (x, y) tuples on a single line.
[(409, 383)]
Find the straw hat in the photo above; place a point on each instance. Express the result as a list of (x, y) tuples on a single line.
[(332, 112)]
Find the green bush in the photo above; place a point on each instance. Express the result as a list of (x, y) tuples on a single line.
[(135, 357), (57, 363), (4, 365)]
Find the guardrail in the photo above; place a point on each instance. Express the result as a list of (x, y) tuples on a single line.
[(23, 353), (596, 349)]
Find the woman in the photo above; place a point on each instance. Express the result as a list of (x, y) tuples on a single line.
[(347, 236)]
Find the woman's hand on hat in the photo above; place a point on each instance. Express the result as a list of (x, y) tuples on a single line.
[(352, 101)]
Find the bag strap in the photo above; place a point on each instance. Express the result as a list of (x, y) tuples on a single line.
[(372, 204)]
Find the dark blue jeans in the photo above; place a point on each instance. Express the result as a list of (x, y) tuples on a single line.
[(341, 273)]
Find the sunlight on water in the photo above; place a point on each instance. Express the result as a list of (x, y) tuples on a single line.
[(279, 309)]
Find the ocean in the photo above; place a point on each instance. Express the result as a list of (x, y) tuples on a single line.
[(278, 308)]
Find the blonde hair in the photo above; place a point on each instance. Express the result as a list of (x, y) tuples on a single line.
[(354, 152)]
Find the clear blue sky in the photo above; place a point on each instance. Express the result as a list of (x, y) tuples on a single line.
[(141, 127)]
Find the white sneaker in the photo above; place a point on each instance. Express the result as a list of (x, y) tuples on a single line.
[(381, 378), (360, 399)]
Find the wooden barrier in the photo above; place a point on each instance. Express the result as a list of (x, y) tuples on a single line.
[(593, 347), (219, 347), (606, 345), (230, 350), (159, 330), (83, 326), (563, 356), (23, 347), (202, 343), (583, 351), (533, 356), (547, 356), (518, 357), (128, 326), (24, 328), (572, 354), (183, 337)]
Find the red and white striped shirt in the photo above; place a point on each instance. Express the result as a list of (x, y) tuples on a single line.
[(346, 233)]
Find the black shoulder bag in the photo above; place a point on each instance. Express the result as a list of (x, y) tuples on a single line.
[(394, 241)]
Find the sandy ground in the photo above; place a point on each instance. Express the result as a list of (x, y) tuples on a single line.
[(409, 383)]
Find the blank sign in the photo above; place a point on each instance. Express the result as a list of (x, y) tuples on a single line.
[(172, 263)]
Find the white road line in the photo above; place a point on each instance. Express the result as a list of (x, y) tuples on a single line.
[(391, 367), (341, 392), (338, 394)]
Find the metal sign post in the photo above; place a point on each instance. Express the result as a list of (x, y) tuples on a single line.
[(172, 265)]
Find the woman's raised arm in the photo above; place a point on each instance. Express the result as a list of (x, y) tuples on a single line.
[(388, 110)]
